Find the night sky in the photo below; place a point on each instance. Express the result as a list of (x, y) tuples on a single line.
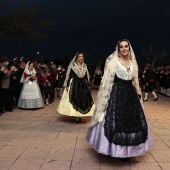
[(95, 27)]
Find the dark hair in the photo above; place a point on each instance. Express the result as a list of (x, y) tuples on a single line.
[(30, 62), (78, 54), (123, 40)]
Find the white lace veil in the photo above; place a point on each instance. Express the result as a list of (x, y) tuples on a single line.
[(108, 81), (69, 69)]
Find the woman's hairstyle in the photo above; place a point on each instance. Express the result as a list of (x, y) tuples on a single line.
[(78, 55), (30, 62)]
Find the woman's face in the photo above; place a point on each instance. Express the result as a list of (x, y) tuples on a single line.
[(80, 58), (31, 66), (53, 66), (124, 48)]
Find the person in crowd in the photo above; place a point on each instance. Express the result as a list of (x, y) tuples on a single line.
[(157, 85), (19, 74), (149, 82), (5, 83), (53, 78), (45, 84), (118, 126), (77, 100), (97, 76), (142, 78), (36, 66), (13, 87), (54, 75), (162, 80), (60, 81), (30, 97)]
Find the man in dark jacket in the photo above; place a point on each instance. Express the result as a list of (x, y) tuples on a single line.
[(5, 83), (60, 80), (149, 82)]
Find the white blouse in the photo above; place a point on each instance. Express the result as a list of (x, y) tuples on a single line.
[(124, 73)]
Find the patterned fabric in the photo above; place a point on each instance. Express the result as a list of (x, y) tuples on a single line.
[(30, 103), (125, 122), (66, 108), (123, 72), (79, 71), (30, 90), (30, 96), (80, 95), (96, 137)]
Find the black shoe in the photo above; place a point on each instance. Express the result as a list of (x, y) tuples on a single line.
[(155, 99), (145, 99)]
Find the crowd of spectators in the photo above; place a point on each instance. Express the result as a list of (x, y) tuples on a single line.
[(50, 78), (160, 79)]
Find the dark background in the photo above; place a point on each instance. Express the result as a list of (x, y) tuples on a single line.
[(95, 27)]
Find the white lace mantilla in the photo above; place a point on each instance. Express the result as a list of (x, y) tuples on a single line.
[(124, 73)]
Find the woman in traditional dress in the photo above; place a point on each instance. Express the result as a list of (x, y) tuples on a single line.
[(97, 76), (30, 97), (118, 126), (77, 100)]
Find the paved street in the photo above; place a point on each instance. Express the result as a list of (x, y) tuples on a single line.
[(43, 139)]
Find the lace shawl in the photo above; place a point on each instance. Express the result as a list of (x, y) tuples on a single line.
[(80, 72)]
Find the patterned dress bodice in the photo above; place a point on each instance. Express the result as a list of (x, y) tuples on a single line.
[(124, 73)]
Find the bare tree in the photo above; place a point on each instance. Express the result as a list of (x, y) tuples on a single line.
[(16, 23), (152, 55)]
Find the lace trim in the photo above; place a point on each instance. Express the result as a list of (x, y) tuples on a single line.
[(80, 72), (125, 122), (80, 95), (123, 73)]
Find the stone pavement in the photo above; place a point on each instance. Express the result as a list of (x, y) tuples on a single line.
[(43, 139)]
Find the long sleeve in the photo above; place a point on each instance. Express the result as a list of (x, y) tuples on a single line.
[(25, 75)]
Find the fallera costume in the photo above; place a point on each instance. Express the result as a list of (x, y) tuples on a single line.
[(77, 101), (30, 97), (121, 129)]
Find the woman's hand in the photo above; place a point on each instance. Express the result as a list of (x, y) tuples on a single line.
[(34, 77)]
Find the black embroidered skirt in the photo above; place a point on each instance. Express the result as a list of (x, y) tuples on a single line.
[(80, 95), (125, 122)]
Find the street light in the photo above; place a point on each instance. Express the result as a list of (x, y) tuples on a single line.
[(42, 57)]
